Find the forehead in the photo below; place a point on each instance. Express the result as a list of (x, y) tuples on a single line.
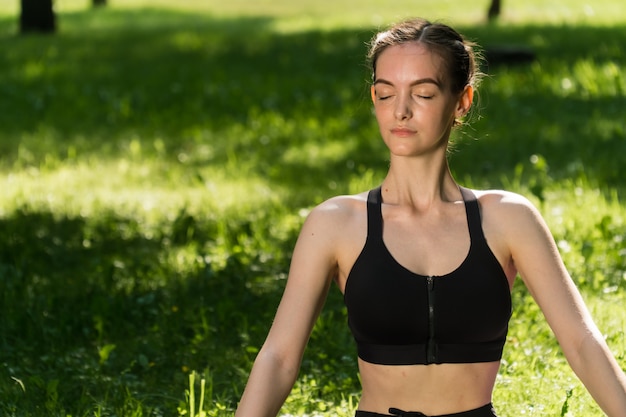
[(408, 62)]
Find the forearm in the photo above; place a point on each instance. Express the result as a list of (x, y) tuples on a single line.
[(598, 370), (269, 384)]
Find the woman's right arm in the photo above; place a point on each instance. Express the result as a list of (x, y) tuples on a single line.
[(313, 266)]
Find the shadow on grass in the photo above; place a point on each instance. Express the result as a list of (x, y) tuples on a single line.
[(101, 309), (180, 81)]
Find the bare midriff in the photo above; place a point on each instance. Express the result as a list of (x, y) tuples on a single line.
[(431, 389)]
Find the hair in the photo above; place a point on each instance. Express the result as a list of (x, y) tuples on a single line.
[(458, 55)]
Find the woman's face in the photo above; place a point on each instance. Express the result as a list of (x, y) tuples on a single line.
[(414, 106)]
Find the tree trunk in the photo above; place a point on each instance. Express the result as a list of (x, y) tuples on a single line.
[(37, 16), (494, 10), (98, 3)]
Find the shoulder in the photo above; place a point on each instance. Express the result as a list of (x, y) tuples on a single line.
[(505, 204), (331, 227), (511, 216), (337, 211), (339, 207)]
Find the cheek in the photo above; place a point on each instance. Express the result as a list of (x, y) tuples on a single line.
[(383, 110), (378, 112)]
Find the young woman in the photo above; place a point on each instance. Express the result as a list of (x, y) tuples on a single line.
[(426, 266)]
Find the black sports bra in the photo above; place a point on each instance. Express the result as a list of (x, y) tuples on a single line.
[(398, 317)]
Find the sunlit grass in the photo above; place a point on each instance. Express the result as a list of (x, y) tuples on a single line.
[(132, 188), (535, 378), (297, 16)]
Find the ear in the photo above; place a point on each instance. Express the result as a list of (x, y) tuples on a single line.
[(373, 93), (465, 101)]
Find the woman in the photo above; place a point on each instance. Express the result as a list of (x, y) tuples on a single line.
[(428, 298)]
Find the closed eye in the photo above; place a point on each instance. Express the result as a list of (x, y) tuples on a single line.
[(384, 93)]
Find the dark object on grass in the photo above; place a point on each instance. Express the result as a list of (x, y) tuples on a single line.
[(494, 10), (509, 54), (37, 16)]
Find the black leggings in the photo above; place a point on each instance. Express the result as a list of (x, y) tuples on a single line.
[(484, 411)]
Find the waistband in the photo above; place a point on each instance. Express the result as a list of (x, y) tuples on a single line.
[(417, 354), (486, 410)]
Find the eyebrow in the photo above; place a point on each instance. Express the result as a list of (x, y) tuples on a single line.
[(414, 83)]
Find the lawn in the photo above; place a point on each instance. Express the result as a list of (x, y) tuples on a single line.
[(157, 159)]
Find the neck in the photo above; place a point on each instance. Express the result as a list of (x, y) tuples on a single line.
[(419, 182)]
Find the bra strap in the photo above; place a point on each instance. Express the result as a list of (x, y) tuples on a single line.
[(472, 210), (374, 213)]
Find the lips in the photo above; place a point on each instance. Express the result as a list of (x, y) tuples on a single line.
[(402, 132)]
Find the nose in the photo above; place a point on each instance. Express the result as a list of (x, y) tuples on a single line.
[(403, 109)]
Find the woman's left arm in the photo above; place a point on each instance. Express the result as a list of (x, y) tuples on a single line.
[(539, 264)]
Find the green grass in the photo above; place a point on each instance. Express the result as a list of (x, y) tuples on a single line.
[(157, 162)]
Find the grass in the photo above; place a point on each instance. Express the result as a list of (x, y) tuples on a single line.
[(157, 162)]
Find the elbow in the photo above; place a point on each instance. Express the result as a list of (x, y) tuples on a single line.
[(283, 362), (583, 353)]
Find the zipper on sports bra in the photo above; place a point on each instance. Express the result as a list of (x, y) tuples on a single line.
[(431, 350)]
